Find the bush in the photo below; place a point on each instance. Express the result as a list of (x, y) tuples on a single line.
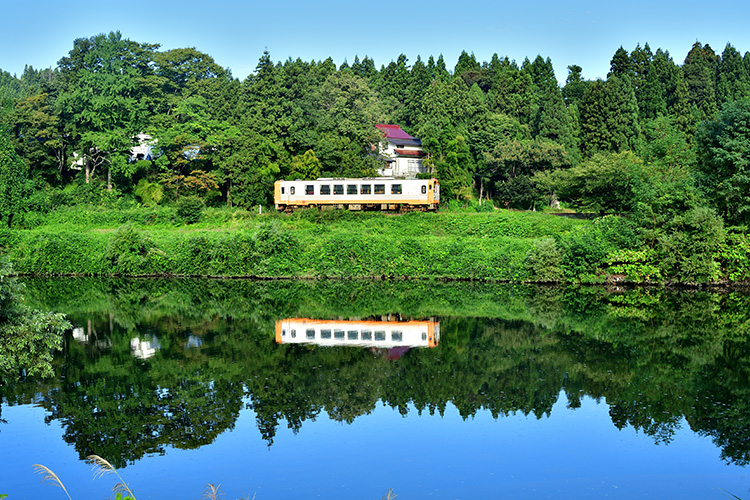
[(129, 251), (189, 209), (543, 261)]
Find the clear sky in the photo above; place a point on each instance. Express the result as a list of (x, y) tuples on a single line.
[(583, 32)]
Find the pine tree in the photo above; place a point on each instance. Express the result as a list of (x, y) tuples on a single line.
[(732, 80), (609, 117), (621, 64), (700, 73)]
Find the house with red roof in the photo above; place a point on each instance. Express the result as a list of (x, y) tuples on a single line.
[(401, 153)]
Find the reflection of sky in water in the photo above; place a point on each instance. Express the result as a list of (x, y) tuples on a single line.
[(574, 454)]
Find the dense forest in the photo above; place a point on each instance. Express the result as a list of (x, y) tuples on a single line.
[(666, 144)]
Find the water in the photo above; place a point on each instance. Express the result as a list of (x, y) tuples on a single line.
[(525, 392)]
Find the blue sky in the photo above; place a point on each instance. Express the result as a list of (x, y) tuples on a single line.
[(583, 32)]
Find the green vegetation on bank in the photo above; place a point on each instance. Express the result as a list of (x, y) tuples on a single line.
[(500, 245)]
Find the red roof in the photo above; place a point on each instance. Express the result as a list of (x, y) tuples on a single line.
[(409, 152), (393, 132)]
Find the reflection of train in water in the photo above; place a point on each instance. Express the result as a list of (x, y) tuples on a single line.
[(363, 333)]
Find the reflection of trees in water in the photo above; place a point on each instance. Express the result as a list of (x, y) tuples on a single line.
[(654, 356)]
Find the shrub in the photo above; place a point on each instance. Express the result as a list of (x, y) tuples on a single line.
[(128, 251), (189, 209), (543, 261)]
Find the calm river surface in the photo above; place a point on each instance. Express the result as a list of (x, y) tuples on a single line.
[(342, 390)]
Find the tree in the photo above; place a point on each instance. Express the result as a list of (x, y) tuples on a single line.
[(511, 165), (732, 79), (621, 64), (12, 181), (607, 182), (29, 337), (104, 105), (699, 70), (39, 137), (723, 148), (609, 117), (306, 166)]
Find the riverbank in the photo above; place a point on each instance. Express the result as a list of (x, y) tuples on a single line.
[(494, 246)]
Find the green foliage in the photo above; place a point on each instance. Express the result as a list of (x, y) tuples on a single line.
[(544, 261), (305, 167), (724, 161), (151, 193), (189, 209), (130, 251), (586, 250), (29, 337), (691, 249), (12, 181), (609, 117), (606, 183)]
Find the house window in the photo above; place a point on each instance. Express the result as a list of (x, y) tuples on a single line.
[(395, 188), (338, 189), (366, 189), (414, 166), (325, 189), (351, 189), (379, 188), (309, 189)]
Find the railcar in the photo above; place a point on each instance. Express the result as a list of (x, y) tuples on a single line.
[(362, 333), (373, 193)]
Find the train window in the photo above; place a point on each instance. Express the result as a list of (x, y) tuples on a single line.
[(310, 334), (338, 189), (379, 188), (395, 188), (379, 335), (283, 332), (352, 334), (397, 336), (424, 335), (309, 189), (351, 189), (325, 334), (365, 189), (325, 189), (291, 190), (282, 190), (424, 189), (366, 335), (338, 334), (294, 334)]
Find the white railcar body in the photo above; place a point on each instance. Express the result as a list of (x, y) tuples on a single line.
[(374, 193)]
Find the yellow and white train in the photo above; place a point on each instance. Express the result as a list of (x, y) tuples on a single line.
[(369, 193)]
